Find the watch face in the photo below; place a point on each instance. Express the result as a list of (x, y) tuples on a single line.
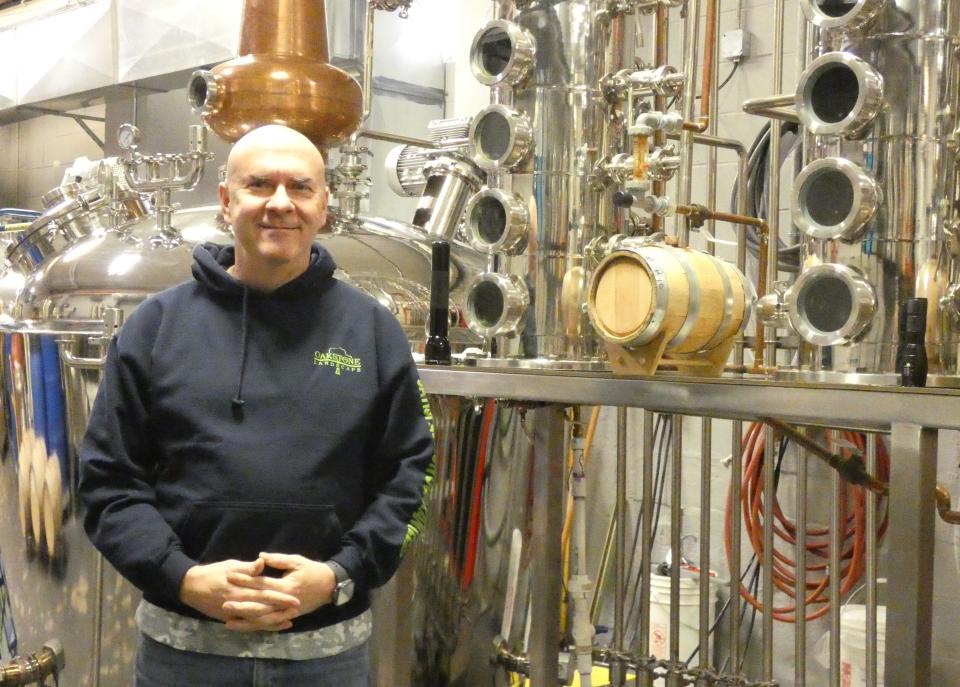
[(343, 592)]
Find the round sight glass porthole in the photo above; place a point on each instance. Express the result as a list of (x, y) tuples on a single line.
[(826, 304), (839, 94), (497, 222), (841, 15), (495, 51), (486, 301), (831, 304), (493, 135), (834, 198), (502, 53), (501, 137), (496, 304), (834, 94)]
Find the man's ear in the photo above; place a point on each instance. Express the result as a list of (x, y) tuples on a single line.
[(326, 211), (224, 201)]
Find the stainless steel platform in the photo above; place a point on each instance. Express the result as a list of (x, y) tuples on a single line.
[(910, 415)]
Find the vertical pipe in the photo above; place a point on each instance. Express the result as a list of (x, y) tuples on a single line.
[(620, 576), (871, 572), (646, 542), (769, 489), (691, 39), (578, 584), (800, 556), (836, 526), (568, 119), (742, 172), (913, 481), (661, 56), (736, 488), (676, 539), (773, 202), (367, 70), (714, 18), (548, 499), (706, 598)]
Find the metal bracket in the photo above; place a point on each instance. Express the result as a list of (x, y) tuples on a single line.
[(81, 120)]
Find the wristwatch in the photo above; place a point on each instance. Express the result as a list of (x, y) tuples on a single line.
[(343, 589)]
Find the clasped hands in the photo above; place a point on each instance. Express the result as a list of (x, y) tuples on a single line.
[(238, 593)]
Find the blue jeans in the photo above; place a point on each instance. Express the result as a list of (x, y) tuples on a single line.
[(159, 665)]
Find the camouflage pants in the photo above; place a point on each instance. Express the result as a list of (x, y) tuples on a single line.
[(159, 665)]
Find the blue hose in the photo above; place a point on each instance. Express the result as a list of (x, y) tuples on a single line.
[(55, 416)]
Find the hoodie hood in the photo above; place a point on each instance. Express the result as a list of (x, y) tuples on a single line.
[(212, 260)]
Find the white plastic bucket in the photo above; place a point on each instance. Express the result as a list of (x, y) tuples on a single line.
[(853, 645), (659, 645)]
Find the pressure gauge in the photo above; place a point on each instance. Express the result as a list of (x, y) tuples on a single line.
[(128, 136)]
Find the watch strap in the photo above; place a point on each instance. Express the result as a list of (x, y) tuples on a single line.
[(339, 572)]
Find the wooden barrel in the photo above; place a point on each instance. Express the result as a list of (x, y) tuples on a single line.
[(639, 292)]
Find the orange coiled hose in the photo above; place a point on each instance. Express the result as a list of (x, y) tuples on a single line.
[(816, 572)]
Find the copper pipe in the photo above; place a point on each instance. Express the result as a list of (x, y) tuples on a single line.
[(282, 76), (698, 126), (700, 214), (951, 517), (706, 88), (706, 81)]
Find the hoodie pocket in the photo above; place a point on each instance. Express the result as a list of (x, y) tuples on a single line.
[(219, 530)]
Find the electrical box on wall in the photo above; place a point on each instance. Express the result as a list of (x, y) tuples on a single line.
[(735, 45)]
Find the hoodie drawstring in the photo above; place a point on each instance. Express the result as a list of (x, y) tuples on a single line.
[(237, 400)]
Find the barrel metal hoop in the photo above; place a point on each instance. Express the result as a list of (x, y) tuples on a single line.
[(660, 303), (727, 310), (693, 299)]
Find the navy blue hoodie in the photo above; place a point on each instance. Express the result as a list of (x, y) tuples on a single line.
[(231, 421)]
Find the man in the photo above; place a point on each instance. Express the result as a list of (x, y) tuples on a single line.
[(258, 452)]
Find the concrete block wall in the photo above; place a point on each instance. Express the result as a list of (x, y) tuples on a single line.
[(35, 153)]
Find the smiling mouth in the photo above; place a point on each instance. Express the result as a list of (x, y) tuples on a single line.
[(273, 227)]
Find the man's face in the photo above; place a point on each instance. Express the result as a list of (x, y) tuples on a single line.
[(276, 200)]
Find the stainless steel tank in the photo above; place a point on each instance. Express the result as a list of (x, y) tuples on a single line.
[(876, 199), (390, 261), (71, 282), (542, 142)]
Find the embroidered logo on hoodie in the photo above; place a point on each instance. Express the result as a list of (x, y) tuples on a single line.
[(338, 359)]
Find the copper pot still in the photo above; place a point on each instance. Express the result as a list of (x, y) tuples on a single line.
[(282, 76)]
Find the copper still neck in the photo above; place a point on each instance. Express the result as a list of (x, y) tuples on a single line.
[(285, 27), (282, 76)]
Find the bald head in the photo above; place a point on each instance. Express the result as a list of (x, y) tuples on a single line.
[(275, 198), (273, 138)]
